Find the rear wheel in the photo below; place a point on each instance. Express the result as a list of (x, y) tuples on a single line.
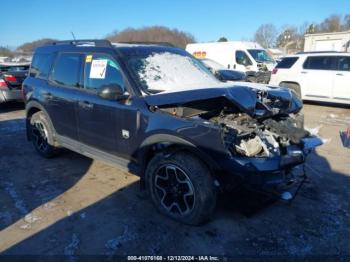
[(41, 134), (181, 187), (294, 87)]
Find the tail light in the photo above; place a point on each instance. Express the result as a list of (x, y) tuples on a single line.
[(10, 78), (2, 83), (274, 71)]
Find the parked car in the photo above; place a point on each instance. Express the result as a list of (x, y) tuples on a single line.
[(11, 78), (317, 76), (247, 57), (222, 73), (161, 114)]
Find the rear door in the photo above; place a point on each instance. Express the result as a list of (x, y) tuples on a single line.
[(341, 87), (316, 77), (62, 93)]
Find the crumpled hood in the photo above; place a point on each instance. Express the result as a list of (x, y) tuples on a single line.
[(253, 99)]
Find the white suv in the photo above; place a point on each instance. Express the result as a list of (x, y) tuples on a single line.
[(321, 76)]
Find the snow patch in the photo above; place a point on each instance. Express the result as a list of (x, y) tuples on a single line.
[(72, 246), (19, 203), (114, 244), (30, 218), (172, 72)]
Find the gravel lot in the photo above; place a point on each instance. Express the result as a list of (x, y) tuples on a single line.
[(73, 205)]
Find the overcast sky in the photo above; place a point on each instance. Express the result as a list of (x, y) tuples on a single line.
[(27, 20)]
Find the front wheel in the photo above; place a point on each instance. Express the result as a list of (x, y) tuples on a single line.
[(181, 187)]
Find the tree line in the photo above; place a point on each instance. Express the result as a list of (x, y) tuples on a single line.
[(292, 37)]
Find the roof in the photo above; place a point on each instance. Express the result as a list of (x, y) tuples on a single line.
[(91, 45), (329, 33), (320, 53)]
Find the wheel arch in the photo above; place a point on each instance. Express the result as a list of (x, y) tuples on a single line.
[(170, 144), (33, 107)]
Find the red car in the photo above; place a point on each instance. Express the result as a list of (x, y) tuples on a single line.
[(11, 78)]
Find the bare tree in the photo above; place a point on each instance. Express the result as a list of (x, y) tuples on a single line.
[(266, 35), (153, 34), (331, 24)]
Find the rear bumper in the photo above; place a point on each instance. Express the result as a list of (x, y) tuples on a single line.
[(10, 95)]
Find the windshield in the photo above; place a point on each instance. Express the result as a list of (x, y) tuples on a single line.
[(261, 56), (168, 72)]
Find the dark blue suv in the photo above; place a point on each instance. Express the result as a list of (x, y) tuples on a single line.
[(161, 114)]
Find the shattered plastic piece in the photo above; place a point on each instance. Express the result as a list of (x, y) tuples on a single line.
[(313, 131), (250, 147), (286, 196), (345, 138)]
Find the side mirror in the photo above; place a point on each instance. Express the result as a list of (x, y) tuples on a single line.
[(230, 75), (112, 92)]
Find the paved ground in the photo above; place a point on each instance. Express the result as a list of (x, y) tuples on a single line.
[(72, 205)]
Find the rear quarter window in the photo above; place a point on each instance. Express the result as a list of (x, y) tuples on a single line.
[(320, 63), (41, 65), (287, 62)]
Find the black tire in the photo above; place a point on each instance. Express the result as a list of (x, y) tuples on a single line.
[(41, 134), (294, 87), (181, 187)]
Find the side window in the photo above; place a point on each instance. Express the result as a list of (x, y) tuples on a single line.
[(242, 58), (344, 63), (319, 63), (66, 70), (100, 71), (41, 65)]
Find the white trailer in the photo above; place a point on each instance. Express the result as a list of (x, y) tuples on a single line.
[(238, 55), (337, 41)]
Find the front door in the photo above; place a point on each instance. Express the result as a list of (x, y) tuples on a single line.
[(243, 62), (101, 121)]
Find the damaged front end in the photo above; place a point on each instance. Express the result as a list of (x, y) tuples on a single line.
[(261, 128)]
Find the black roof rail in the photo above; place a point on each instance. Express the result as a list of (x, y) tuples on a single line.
[(146, 43), (317, 52), (95, 42)]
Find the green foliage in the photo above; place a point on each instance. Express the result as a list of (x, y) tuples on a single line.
[(222, 39)]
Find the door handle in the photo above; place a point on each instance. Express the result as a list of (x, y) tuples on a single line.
[(47, 95), (86, 104), (303, 72), (339, 74)]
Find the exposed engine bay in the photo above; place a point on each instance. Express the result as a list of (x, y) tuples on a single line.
[(248, 136), (255, 121), (251, 137)]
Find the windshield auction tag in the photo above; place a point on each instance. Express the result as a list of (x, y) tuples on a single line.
[(88, 59), (98, 69)]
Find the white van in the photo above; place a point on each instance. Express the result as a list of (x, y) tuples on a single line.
[(237, 55), (318, 76)]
